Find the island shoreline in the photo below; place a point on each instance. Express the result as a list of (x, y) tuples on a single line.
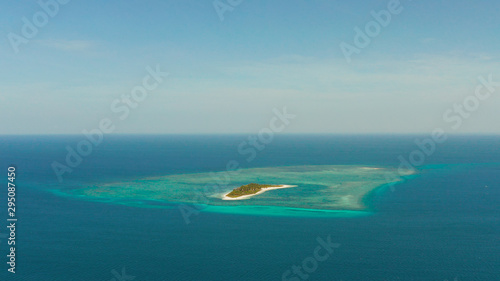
[(243, 197)]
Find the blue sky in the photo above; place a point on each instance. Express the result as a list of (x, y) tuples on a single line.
[(227, 76)]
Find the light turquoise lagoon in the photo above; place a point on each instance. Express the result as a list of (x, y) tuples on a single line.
[(339, 188)]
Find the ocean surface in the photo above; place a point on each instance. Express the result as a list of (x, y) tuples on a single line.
[(443, 224)]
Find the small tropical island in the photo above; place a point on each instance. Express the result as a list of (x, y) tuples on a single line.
[(252, 189)]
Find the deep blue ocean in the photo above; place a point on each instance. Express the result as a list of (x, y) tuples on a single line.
[(443, 224)]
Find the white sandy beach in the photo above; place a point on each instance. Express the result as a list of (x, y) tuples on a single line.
[(224, 197)]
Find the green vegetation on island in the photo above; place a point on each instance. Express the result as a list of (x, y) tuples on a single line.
[(248, 189)]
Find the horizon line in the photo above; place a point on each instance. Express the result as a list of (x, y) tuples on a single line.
[(253, 133)]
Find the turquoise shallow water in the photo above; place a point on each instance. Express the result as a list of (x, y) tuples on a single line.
[(440, 225), (316, 187)]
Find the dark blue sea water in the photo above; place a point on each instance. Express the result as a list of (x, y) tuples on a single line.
[(442, 225)]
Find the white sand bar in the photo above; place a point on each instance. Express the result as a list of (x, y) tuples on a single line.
[(225, 197)]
